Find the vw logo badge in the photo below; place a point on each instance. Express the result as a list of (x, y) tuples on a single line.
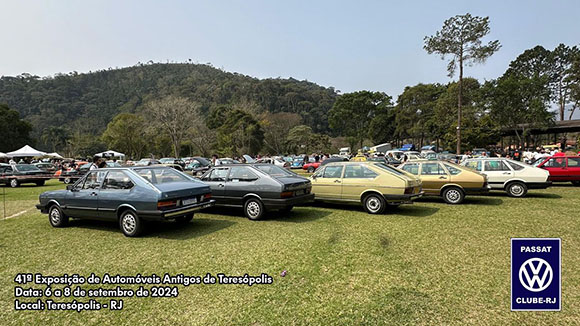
[(536, 274)]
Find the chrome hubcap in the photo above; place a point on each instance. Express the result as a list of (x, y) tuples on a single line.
[(453, 196), (129, 223), (13, 183), (253, 209), (373, 204), (54, 216), (517, 190)]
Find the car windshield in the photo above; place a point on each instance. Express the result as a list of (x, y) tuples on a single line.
[(26, 167), (143, 162), (113, 165), (275, 171), (158, 176), (389, 168)]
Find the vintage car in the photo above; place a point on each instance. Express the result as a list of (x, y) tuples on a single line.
[(198, 165), (513, 177), (276, 161), (72, 175), (129, 196), (172, 160), (562, 168), (257, 188), (311, 166), (373, 184), (17, 174), (297, 163), (147, 162), (448, 180), (385, 159), (46, 167)]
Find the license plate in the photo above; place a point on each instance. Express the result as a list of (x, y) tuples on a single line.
[(189, 201)]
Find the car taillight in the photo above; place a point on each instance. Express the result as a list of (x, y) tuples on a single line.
[(166, 204), (207, 196), (408, 190), (286, 194)]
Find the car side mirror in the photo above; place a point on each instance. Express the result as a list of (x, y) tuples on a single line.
[(314, 176)]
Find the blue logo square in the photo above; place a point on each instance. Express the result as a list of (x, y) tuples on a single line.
[(536, 274)]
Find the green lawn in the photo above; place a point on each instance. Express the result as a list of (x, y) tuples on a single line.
[(423, 264)]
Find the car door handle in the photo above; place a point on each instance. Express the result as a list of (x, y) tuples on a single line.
[(442, 177), (221, 185), (336, 181), (94, 194), (506, 173)]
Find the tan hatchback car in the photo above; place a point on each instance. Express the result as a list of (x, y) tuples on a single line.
[(374, 184), (448, 180)]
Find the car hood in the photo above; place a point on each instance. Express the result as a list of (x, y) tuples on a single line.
[(54, 194)]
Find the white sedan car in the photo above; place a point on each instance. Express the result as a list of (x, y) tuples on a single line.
[(512, 176)]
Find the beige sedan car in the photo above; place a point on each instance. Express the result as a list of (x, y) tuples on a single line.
[(373, 184)]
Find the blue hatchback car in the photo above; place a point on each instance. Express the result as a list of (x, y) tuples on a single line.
[(129, 196)]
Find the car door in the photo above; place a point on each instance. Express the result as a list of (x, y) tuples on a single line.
[(356, 179), (327, 182), (240, 181), (82, 201), (557, 168), (434, 177), (574, 168), (115, 191), (216, 179), (498, 172)]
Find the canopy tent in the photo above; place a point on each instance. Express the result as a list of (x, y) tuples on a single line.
[(54, 155), (26, 151), (2, 155), (111, 153)]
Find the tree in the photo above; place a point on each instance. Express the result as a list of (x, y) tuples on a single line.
[(575, 87), (15, 132), (240, 134), (174, 116), (127, 134), (563, 58), (302, 139), (460, 38), (352, 113), (519, 103), (55, 137), (276, 127)]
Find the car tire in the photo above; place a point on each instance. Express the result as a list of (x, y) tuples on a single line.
[(576, 183), (253, 209), (14, 183), (310, 169), (131, 225), (66, 180), (56, 217), (374, 204), (453, 195), (516, 189), (184, 219), (40, 183)]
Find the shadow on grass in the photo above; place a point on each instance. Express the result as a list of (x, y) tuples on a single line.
[(469, 200), (297, 215), (412, 210), (530, 194), (166, 230)]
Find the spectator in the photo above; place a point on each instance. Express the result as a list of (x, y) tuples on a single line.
[(560, 152)]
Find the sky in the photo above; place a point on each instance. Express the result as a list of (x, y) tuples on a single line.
[(349, 45)]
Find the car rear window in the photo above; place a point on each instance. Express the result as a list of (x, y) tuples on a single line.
[(26, 167), (515, 165), (158, 176), (274, 171)]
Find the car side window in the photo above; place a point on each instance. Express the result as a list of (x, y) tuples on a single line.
[(452, 170), (474, 165), (93, 180), (332, 171), (412, 168), (242, 174), (515, 166), (359, 171), (432, 169), (217, 175), (496, 166), (117, 180), (556, 163), (573, 162)]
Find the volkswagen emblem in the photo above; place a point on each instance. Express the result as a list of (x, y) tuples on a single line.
[(536, 274)]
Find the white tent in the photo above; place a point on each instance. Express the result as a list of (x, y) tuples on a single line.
[(2, 155), (26, 151), (54, 155), (111, 153)]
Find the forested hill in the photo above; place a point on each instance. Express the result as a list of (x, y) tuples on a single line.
[(87, 102)]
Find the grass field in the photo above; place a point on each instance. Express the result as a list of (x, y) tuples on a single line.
[(423, 264)]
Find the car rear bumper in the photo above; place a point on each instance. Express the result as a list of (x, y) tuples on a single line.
[(401, 199), (157, 215), (477, 191), (270, 203), (539, 185)]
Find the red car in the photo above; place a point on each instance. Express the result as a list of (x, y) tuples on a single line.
[(311, 166), (562, 168)]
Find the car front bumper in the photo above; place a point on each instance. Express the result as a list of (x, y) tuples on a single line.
[(173, 213), (281, 203)]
